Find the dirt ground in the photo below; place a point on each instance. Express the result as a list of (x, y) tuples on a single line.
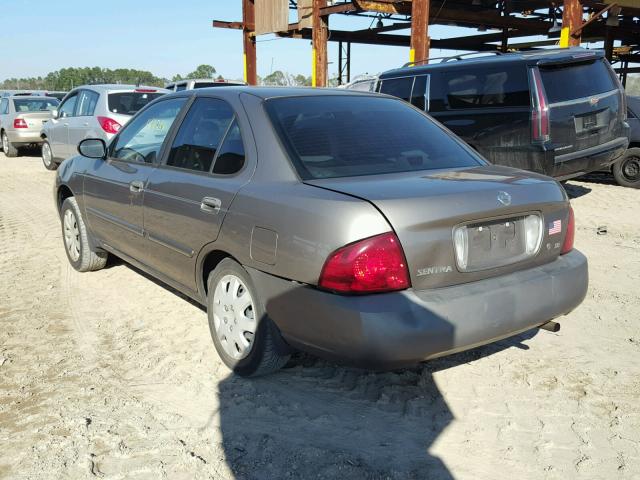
[(112, 375)]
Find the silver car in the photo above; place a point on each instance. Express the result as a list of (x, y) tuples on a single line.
[(21, 119), (195, 83), (91, 111), (347, 224)]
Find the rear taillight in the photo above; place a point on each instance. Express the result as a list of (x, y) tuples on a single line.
[(540, 112), (567, 246), (109, 125), (20, 123), (376, 264)]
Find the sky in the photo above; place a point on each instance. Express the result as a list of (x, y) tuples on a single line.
[(167, 37), (164, 37)]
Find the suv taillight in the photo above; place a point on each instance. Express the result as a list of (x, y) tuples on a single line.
[(109, 125), (540, 112), (375, 264), (567, 246), (20, 123)]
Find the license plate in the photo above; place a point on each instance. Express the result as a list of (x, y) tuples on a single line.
[(589, 121)]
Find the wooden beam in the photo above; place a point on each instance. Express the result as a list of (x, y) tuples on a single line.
[(419, 49), (249, 42), (320, 36), (571, 21)]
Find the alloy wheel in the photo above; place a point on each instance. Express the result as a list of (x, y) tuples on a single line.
[(5, 143), (234, 316), (71, 235), (46, 154)]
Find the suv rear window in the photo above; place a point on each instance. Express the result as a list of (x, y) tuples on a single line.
[(482, 87), (342, 136), (570, 82), (128, 103)]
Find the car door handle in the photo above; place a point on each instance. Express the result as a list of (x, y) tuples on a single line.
[(136, 186), (210, 205)]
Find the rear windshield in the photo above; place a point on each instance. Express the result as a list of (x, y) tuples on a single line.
[(128, 103), (342, 136), (207, 84), (35, 104), (570, 82)]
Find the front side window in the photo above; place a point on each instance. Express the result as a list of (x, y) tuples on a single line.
[(482, 87), (68, 106), (88, 102), (35, 104), (142, 138), (200, 135), (341, 136)]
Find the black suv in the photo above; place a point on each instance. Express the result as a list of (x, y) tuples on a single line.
[(560, 112)]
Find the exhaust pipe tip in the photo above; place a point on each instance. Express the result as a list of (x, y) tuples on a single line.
[(551, 326)]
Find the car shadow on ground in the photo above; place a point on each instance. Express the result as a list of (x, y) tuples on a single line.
[(317, 419)]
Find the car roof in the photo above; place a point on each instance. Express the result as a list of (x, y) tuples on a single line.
[(551, 55), (108, 87), (270, 92), (31, 97)]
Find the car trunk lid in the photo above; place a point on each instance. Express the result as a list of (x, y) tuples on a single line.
[(34, 120), (425, 208)]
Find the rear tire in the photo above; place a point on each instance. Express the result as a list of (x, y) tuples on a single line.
[(246, 339), (47, 157), (82, 256), (7, 146), (626, 171)]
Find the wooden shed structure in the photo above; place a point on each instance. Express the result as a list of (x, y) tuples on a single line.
[(563, 22)]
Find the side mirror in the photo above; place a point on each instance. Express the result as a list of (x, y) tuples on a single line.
[(54, 113), (93, 148)]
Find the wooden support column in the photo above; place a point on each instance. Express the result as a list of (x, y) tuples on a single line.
[(571, 20), (419, 49), (320, 31), (249, 42)]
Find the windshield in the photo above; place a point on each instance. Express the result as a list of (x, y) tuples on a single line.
[(35, 104), (128, 103), (341, 136)]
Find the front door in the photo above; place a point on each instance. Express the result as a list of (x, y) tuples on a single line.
[(188, 196), (79, 124), (115, 187)]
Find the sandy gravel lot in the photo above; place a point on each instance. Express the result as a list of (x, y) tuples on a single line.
[(112, 375)]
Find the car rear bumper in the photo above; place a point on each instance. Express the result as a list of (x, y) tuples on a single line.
[(24, 137), (574, 164), (402, 328)]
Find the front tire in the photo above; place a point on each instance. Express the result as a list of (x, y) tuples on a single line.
[(246, 339), (7, 146), (626, 171), (47, 157), (82, 256)]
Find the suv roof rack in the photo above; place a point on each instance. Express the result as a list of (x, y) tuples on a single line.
[(448, 59)]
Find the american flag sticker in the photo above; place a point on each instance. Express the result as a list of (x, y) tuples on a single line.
[(555, 227)]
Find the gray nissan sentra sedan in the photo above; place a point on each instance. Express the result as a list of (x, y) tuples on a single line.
[(347, 224)]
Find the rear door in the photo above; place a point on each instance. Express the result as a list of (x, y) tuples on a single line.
[(584, 104), (81, 126), (189, 195), (114, 188)]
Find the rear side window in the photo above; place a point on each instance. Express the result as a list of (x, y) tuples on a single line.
[(341, 136), (410, 89), (35, 105), (570, 82), (180, 87), (482, 87), (200, 135), (128, 103), (88, 102)]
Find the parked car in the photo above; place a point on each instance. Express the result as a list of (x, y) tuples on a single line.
[(195, 83), (21, 119), (91, 111), (626, 171), (558, 112), (58, 95), (347, 224)]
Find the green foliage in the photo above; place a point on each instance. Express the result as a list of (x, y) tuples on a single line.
[(68, 78), (284, 79), (203, 71)]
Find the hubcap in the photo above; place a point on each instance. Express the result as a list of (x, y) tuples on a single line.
[(46, 154), (631, 169), (5, 142), (234, 316), (71, 235)]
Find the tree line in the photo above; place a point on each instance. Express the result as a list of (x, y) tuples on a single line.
[(68, 78)]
